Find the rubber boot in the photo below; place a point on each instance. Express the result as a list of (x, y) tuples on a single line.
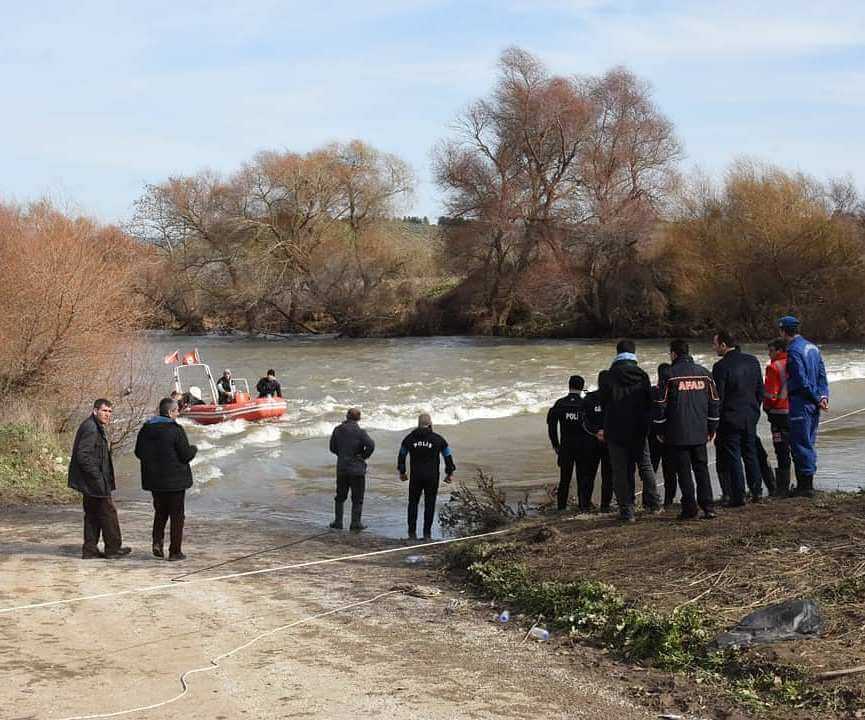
[(337, 515), (782, 482), (356, 524), (808, 486)]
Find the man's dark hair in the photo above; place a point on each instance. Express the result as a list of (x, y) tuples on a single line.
[(353, 414), (664, 370), (725, 337), (166, 405), (628, 346), (576, 382), (101, 402), (779, 344), (272, 372), (680, 347)]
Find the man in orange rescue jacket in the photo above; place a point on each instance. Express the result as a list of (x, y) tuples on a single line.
[(777, 407)]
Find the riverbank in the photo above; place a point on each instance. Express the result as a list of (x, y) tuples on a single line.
[(651, 597), (33, 466), (433, 654)]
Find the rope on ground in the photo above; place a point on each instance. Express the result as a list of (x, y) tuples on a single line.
[(177, 578), (263, 571), (214, 662), (842, 417)]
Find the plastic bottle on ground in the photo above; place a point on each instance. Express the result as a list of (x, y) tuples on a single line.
[(539, 634), (415, 559), (504, 616)]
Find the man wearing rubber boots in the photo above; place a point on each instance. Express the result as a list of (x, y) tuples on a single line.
[(352, 446), (808, 390), (424, 448)]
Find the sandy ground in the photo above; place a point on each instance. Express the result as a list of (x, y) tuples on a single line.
[(399, 657)]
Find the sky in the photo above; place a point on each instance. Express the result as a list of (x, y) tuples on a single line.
[(99, 99)]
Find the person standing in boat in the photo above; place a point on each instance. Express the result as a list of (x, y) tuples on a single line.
[(269, 386), (226, 388), (165, 454), (424, 448), (352, 446), (91, 472)]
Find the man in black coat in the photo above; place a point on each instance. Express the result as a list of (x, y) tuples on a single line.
[(424, 448), (627, 400), (596, 451), (269, 386), (91, 472), (686, 418), (570, 442), (352, 446), (165, 454), (739, 380)]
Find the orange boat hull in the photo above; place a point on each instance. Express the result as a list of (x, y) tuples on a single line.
[(251, 410)]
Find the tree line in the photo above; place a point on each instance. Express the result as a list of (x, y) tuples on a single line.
[(567, 214)]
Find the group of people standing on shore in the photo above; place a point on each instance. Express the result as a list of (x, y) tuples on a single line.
[(629, 427)]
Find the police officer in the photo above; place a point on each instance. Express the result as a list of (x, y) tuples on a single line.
[(425, 448), (686, 418), (595, 449), (739, 381), (776, 403), (569, 440), (808, 389), (269, 386)]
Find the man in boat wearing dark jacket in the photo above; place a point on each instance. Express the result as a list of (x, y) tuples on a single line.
[(91, 472), (165, 454), (686, 418), (269, 386), (424, 448), (352, 446), (627, 400), (570, 442)]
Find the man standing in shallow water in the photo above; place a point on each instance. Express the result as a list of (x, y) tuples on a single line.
[(352, 446)]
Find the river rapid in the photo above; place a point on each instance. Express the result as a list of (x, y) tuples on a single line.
[(488, 397)]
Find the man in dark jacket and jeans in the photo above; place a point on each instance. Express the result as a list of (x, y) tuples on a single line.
[(424, 448), (739, 381), (686, 418), (91, 472), (627, 400), (165, 454), (352, 446)]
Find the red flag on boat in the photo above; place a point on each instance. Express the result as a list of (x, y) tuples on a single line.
[(191, 357), (172, 358)]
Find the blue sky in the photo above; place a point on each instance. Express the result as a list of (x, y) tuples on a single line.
[(100, 98)]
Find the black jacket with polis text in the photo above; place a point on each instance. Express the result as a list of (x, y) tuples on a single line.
[(686, 409), (565, 424), (424, 449)]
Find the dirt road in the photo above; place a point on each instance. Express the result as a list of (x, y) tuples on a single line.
[(398, 657)]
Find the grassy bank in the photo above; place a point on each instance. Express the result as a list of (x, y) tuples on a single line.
[(33, 466), (653, 596)]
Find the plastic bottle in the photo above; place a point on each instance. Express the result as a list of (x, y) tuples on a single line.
[(539, 634), (504, 616), (415, 559)]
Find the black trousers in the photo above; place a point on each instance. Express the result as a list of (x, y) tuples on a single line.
[(100, 518), (625, 461), (169, 506), (664, 459), (597, 454), (571, 460), (737, 447), (428, 488), (692, 463), (356, 484), (780, 424), (766, 471)]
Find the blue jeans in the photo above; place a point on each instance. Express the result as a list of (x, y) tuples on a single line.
[(804, 419)]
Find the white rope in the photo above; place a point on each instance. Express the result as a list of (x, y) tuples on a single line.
[(279, 568), (841, 417), (214, 662)]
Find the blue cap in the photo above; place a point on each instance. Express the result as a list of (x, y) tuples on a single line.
[(788, 322)]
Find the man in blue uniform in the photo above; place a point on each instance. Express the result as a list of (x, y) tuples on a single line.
[(808, 390), (569, 440), (424, 447)]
